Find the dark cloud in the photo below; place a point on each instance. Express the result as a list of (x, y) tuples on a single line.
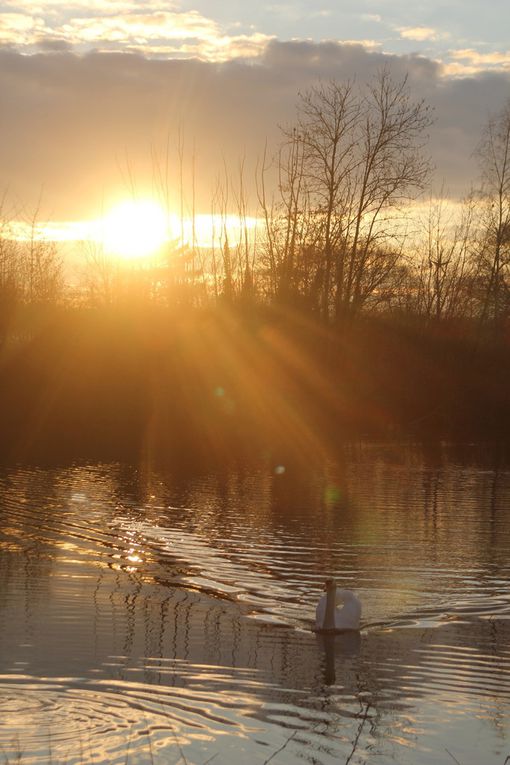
[(76, 126), (53, 45)]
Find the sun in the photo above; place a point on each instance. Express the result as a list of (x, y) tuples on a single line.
[(134, 229)]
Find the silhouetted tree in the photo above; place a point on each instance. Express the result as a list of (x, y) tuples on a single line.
[(494, 250), (353, 158), (440, 263)]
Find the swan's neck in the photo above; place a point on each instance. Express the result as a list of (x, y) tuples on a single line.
[(329, 616)]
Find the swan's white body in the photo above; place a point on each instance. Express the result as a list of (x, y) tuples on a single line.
[(346, 618)]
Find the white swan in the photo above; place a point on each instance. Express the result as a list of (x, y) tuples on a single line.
[(329, 618)]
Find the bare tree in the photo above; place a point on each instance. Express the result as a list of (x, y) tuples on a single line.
[(328, 118), (101, 275), (390, 171), (440, 262), (354, 158), (245, 247), (288, 236), (494, 250), (42, 267), (10, 260)]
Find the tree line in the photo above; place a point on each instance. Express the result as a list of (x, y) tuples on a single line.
[(334, 235)]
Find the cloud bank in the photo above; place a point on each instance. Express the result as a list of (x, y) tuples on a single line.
[(75, 127), (152, 27)]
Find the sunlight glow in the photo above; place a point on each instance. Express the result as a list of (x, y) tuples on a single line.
[(134, 229)]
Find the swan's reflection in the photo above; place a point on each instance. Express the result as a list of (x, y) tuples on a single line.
[(335, 645)]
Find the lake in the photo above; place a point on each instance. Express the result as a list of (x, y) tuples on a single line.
[(162, 615)]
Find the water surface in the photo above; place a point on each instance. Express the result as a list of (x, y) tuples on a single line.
[(164, 615)]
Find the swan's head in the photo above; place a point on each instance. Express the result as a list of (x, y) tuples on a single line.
[(331, 588)]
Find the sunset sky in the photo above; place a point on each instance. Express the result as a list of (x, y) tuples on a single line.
[(92, 91), (467, 36)]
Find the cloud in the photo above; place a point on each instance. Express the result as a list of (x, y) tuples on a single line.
[(369, 44), (420, 34), (18, 29), (116, 25), (51, 45), (468, 61), (143, 28), (79, 127)]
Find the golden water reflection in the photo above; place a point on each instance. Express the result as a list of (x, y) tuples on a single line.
[(159, 614)]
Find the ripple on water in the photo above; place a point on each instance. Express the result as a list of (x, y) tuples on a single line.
[(55, 720), (202, 713), (152, 604)]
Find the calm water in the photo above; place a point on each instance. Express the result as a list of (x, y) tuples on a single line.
[(154, 617)]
